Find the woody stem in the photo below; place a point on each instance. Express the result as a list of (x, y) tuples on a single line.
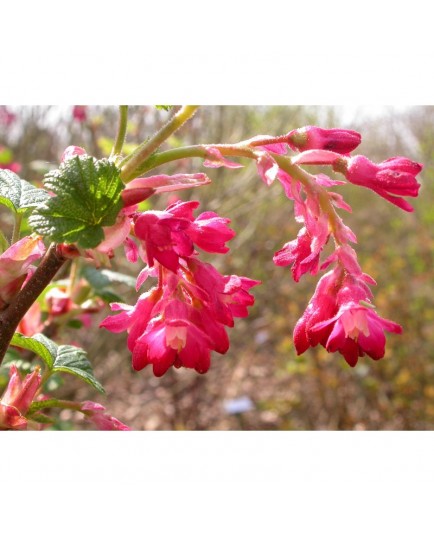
[(11, 316)]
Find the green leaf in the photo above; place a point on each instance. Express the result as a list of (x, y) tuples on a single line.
[(165, 107), (88, 198), (75, 323), (63, 358), (109, 297), (41, 345), (100, 279), (74, 361), (18, 194)]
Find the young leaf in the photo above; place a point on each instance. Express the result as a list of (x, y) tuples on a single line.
[(18, 194), (63, 358), (87, 198)]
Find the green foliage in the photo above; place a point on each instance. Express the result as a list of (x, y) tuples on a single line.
[(88, 198), (62, 358), (18, 194), (100, 279), (165, 107)]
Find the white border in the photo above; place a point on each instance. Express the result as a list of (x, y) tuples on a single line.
[(332, 52)]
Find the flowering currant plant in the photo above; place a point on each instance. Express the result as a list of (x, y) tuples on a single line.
[(90, 210)]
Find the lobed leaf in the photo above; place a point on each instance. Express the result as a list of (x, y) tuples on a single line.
[(87, 198)]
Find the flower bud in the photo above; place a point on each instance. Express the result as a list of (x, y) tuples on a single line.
[(333, 139)]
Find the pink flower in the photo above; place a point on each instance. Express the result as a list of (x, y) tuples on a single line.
[(171, 234), (268, 168), (15, 264), (391, 179), (72, 151), (182, 320), (79, 113), (322, 306), (117, 234), (59, 301), (333, 139), (339, 315), (303, 253), (164, 238), (162, 183), (173, 340), (103, 421), (133, 319), (226, 297), (357, 330), (210, 232), (17, 398)]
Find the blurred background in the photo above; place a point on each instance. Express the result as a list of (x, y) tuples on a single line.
[(261, 384)]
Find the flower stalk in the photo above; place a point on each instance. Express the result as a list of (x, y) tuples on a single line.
[(122, 129), (130, 163)]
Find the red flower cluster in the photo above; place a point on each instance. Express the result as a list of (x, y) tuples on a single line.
[(340, 316), (180, 321)]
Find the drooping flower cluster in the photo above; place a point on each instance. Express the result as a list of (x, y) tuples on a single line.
[(181, 320), (340, 315), (167, 325)]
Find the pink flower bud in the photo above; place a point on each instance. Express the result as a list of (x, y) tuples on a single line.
[(72, 151), (103, 421), (79, 113), (322, 306), (333, 139)]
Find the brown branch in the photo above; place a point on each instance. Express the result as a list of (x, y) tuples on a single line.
[(11, 316)]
